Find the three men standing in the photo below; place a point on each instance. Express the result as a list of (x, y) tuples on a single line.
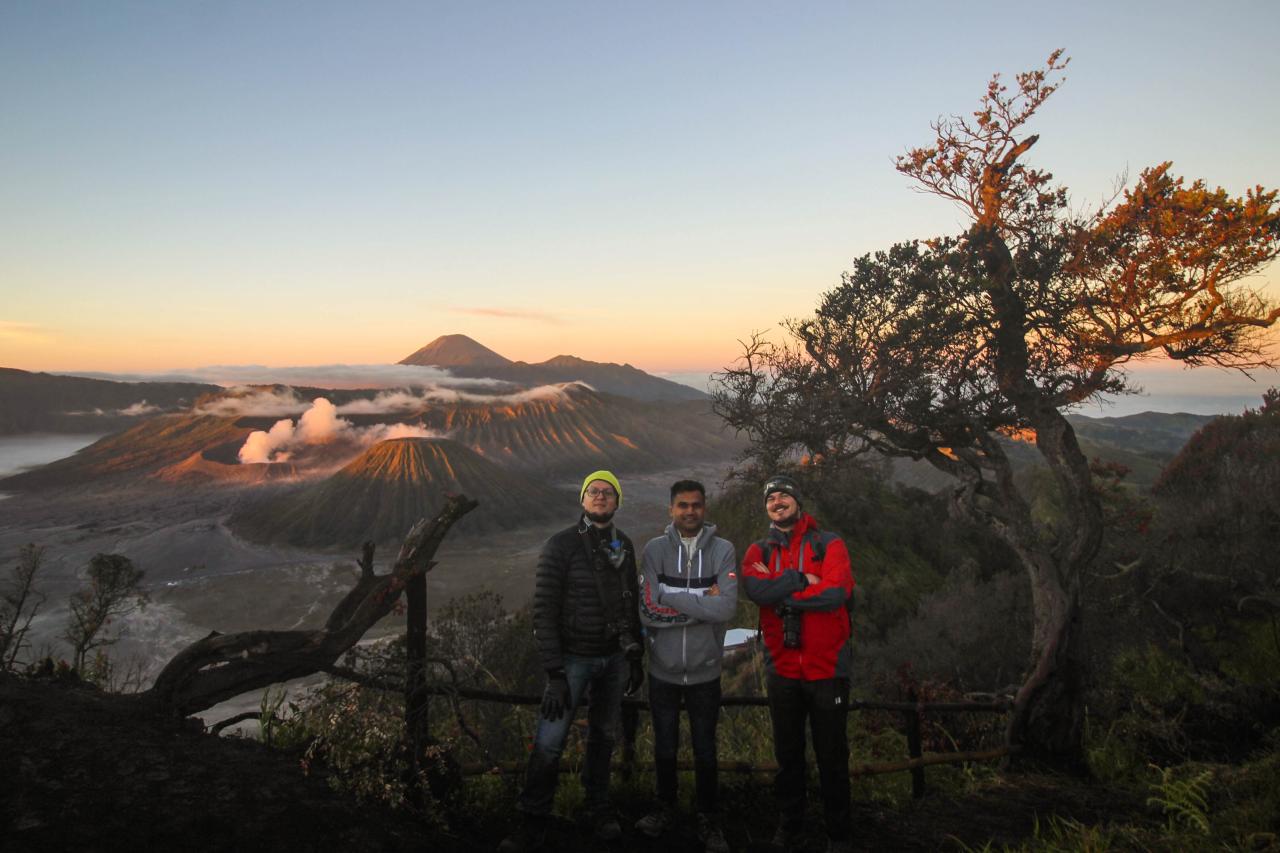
[(589, 603), (801, 578), (688, 594), (587, 628)]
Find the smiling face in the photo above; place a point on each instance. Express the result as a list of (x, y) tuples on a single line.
[(599, 501), (688, 509), (782, 509)]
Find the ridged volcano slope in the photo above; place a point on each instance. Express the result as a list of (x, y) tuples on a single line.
[(139, 452), (382, 493), (581, 430)]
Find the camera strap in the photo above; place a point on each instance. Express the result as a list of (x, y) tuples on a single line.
[(613, 609)]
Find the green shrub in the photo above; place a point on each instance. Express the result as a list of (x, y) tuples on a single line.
[(1151, 672), (1184, 801), (1112, 753), (1251, 653)]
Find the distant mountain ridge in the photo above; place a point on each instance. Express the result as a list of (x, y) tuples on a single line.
[(559, 434), (465, 357), (1143, 443), (139, 452), (46, 402)]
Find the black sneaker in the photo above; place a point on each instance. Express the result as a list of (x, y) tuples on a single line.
[(655, 822), (607, 827), (710, 834), (531, 835), (786, 838)]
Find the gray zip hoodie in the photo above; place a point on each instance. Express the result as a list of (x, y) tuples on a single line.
[(684, 626)]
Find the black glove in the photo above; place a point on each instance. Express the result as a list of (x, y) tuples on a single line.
[(636, 678), (555, 699)]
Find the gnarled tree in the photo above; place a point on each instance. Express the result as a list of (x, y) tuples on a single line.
[(939, 350)]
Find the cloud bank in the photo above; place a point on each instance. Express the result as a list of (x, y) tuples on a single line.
[(334, 376), (133, 410), (262, 402)]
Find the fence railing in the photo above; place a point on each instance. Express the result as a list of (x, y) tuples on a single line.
[(913, 711)]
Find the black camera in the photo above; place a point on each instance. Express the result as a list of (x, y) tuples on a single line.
[(790, 626)]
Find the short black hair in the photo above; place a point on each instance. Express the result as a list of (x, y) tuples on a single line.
[(687, 486)]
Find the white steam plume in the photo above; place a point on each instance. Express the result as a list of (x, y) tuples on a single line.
[(319, 424), (263, 446)]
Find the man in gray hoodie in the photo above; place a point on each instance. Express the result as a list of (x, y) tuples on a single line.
[(688, 594)]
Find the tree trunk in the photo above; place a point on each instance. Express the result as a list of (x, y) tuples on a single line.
[(1047, 722), (1046, 725)]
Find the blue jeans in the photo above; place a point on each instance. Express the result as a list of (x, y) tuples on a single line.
[(702, 701), (604, 679)]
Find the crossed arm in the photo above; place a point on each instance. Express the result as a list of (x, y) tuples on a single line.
[(663, 609)]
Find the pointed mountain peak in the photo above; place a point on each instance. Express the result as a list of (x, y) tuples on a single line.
[(566, 361), (456, 351)]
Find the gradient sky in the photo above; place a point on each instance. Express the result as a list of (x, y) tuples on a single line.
[(279, 183)]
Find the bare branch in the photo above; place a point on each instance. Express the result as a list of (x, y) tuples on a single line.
[(219, 667)]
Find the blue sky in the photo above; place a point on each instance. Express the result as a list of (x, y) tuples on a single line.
[(308, 183)]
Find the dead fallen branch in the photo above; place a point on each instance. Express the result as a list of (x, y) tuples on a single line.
[(222, 666)]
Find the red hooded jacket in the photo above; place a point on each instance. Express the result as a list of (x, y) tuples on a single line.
[(824, 628)]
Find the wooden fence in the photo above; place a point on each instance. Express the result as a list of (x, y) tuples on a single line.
[(912, 711)]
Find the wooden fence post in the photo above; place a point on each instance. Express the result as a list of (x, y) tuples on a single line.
[(913, 745), (416, 700)]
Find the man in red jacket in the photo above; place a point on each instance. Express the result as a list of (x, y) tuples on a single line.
[(801, 579)]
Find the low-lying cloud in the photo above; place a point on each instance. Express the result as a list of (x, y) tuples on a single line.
[(389, 402), (255, 402), (280, 402), (318, 425), (333, 376), (133, 410)]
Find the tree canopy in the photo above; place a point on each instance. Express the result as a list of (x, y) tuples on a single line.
[(945, 349)]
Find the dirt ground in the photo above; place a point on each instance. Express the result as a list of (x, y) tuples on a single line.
[(86, 772)]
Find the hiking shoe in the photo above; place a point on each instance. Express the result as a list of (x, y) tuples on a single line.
[(786, 838), (655, 822), (710, 834), (531, 835), (607, 827)]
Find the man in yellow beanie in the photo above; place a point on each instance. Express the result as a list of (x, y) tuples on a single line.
[(586, 622)]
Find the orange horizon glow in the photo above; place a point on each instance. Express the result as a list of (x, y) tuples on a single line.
[(58, 353)]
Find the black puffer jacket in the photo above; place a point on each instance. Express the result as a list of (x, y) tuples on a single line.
[(569, 614)]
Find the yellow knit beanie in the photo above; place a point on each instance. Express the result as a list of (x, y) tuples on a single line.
[(606, 476)]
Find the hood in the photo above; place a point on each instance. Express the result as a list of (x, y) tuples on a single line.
[(804, 524), (705, 535)]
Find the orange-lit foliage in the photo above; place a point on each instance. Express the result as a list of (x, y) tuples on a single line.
[(934, 350)]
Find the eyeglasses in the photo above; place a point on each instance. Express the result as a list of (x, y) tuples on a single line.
[(593, 492)]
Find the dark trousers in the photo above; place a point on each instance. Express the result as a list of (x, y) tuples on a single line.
[(825, 704), (702, 701), (605, 678)]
